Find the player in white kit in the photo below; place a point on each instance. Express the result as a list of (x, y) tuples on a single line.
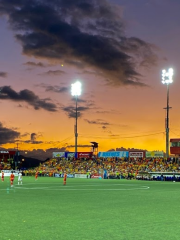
[(20, 178)]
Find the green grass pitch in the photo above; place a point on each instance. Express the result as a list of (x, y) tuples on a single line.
[(89, 209)]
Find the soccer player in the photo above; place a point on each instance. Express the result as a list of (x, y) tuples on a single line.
[(36, 175), (2, 176), (20, 178), (65, 176), (12, 178)]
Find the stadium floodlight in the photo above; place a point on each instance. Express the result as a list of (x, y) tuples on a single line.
[(76, 89), (167, 78), (76, 92)]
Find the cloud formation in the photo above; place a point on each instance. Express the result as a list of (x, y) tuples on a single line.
[(97, 122), (70, 111), (57, 89), (86, 105), (54, 88), (3, 74), (7, 93), (83, 33), (33, 137), (53, 73), (33, 64), (8, 135), (83, 106)]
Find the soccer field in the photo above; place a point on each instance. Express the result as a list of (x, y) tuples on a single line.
[(89, 209)]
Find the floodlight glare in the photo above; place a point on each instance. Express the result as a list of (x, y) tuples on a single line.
[(167, 76), (76, 89)]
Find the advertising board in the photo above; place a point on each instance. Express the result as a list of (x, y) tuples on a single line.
[(7, 152), (154, 154), (58, 154), (80, 176), (119, 154), (96, 176), (62, 175), (84, 154), (69, 154), (7, 173), (136, 154)]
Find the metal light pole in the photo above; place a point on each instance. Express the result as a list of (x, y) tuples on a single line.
[(167, 78), (76, 133), (76, 92)]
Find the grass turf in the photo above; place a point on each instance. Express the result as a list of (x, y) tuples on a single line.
[(89, 209)]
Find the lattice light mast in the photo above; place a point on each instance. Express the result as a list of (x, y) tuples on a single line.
[(167, 78), (76, 92)]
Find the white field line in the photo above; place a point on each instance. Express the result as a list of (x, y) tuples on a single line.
[(71, 188), (77, 189), (77, 185), (62, 188)]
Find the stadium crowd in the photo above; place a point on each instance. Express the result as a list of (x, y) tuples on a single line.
[(5, 166), (114, 166)]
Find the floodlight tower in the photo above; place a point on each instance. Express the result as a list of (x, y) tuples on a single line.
[(76, 92), (167, 78)]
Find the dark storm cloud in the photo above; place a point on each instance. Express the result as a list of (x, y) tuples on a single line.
[(70, 111), (7, 135), (7, 93), (80, 32), (3, 74), (53, 73), (97, 122)]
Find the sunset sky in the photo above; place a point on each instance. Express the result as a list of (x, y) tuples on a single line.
[(116, 48)]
